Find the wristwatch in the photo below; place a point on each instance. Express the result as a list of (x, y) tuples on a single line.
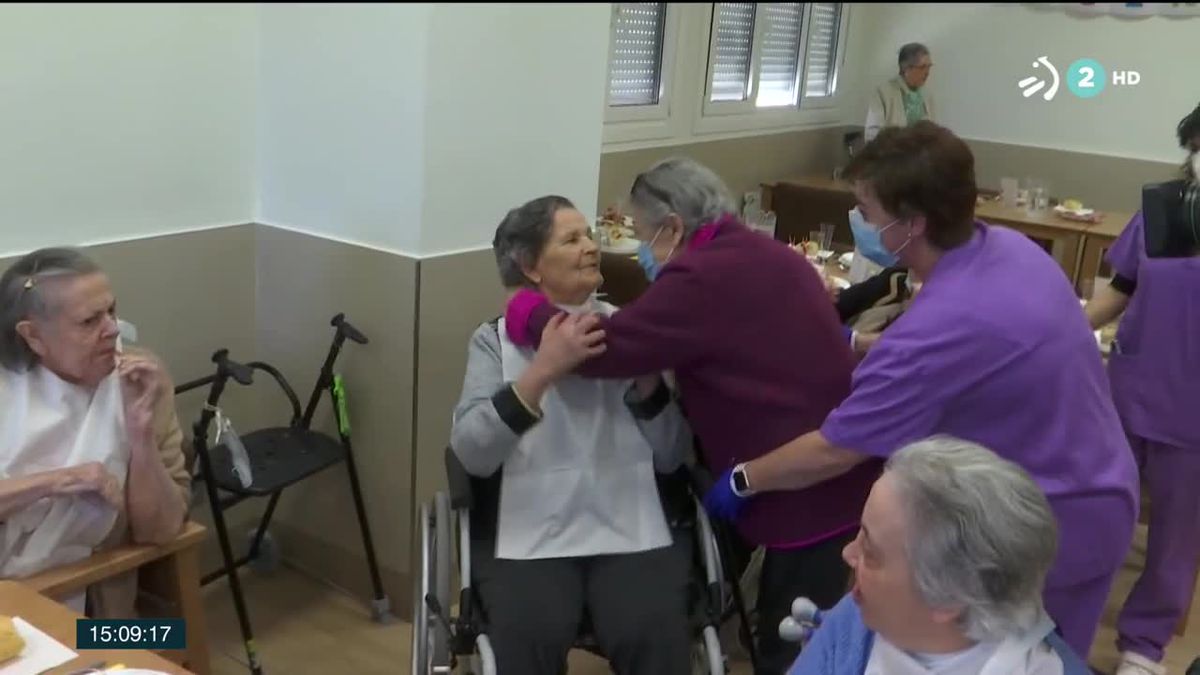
[(740, 481)]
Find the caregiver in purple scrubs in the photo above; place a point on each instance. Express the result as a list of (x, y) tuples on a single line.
[(995, 350), (1155, 374)]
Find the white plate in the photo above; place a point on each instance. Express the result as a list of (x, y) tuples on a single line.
[(1081, 213), (626, 246)]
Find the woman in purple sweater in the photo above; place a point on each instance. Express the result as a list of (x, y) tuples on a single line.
[(759, 357)]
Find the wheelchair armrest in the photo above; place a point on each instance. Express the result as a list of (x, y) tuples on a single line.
[(459, 480)]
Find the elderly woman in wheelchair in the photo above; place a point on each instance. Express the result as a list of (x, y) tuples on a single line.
[(578, 528), (949, 566), (90, 445)]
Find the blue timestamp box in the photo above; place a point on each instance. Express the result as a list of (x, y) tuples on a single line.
[(130, 634)]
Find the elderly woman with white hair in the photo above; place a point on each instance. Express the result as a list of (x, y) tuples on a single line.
[(90, 445), (758, 354), (949, 565), (903, 100)]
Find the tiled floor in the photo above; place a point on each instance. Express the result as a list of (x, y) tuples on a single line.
[(303, 626)]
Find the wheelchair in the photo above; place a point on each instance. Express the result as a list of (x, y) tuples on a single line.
[(449, 642), (279, 457)]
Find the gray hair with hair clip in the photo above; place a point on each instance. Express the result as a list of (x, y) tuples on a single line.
[(23, 298)]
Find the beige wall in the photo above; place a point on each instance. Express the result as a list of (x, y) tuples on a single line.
[(302, 282), (744, 163), (1101, 181), (458, 292)]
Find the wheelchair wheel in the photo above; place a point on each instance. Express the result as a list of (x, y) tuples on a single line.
[(712, 650), (431, 641), (443, 532), (420, 628)]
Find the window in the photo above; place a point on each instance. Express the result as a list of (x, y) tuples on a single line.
[(820, 58), (779, 65), (772, 55), (635, 76), (733, 37)]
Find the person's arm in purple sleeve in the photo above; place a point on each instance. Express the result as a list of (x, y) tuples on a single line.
[(1108, 302), (897, 396), (654, 333)]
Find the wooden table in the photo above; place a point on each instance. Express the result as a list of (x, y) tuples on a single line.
[(801, 204), (169, 572), (58, 621)]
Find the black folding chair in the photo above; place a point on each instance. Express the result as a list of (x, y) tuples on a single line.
[(279, 457)]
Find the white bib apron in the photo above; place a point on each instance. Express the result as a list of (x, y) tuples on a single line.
[(581, 482)]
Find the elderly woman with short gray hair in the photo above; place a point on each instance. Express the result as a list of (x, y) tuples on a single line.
[(90, 446), (903, 100), (758, 354), (567, 516), (949, 566)]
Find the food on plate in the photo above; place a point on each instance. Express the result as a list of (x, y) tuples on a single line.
[(616, 228), (11, 643), (1072, 205), (807, 248)]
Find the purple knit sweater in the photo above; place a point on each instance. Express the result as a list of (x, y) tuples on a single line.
[(759, 355)]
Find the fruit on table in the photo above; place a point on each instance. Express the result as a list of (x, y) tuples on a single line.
[(11, 643), (1072, 204)]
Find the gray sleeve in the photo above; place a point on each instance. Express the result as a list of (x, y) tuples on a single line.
[(489, 418), (667, 432)]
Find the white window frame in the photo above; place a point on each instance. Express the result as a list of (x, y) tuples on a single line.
[(839, 60), (652, 112), (735, 116), (680, 115)]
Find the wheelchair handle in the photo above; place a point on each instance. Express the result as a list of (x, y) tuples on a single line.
[(348, 330), (227, 366)]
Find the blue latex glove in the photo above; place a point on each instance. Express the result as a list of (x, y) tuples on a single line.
[(720, 501)]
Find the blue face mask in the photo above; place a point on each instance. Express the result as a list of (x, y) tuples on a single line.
[(868, 241), (645, 257)]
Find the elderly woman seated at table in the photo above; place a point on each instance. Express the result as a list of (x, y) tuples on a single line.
[(949, 565), (90, 445), (569, 464)]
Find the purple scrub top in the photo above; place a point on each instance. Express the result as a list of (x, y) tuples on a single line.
[(996, 349), (1156, 372)]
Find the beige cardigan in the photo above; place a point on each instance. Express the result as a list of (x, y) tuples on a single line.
[(887, 107)]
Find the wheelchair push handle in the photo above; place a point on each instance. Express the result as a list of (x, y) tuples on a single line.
[(228, 367), (347, 330)]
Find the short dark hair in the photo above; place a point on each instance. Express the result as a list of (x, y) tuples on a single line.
[(522, 235), (922, 169), (1189, 128), (910, 54), (22, 295)]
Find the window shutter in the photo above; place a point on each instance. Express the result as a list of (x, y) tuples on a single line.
[(733, 26), (779, 65), (821, 53), (635, 71)]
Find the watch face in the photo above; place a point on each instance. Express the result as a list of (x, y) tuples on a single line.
[(739, 481)]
